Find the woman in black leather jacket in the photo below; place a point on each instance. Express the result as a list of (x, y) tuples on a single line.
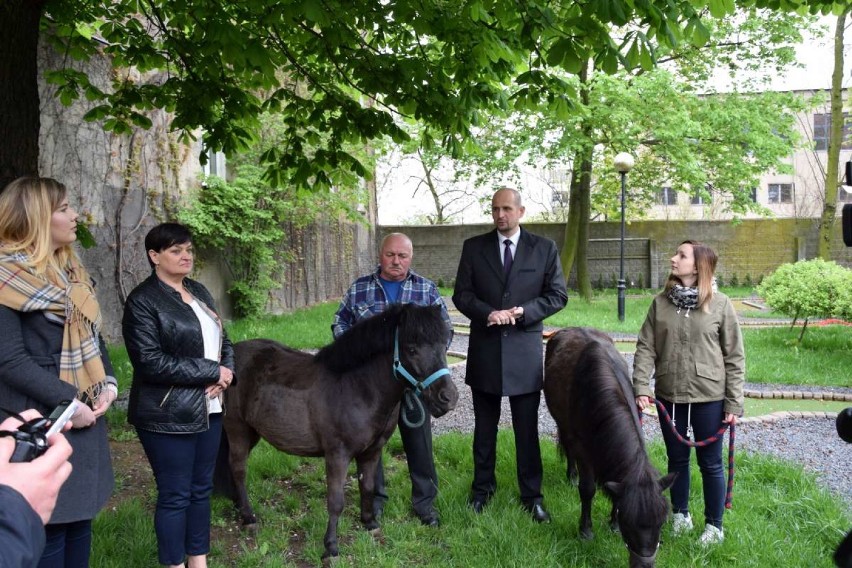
[(182, 363)]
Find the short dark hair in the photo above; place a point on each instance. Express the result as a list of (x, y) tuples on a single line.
[(165, 235)]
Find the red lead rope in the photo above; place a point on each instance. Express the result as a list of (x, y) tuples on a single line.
[(729, 494)]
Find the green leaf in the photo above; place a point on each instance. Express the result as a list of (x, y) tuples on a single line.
[(84, 236)]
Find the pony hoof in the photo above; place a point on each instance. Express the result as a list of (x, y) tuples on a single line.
[(587, 534), (615, 528), (378, 535), (372, 525), (250, 527), (329, 560)]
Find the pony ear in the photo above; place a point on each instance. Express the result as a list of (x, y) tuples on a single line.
[(614, 488), (667, 481)]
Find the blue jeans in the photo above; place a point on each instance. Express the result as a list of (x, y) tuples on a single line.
[(706, 418), (183, 468), (67, 545)]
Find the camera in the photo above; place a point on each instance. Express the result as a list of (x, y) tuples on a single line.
[(31, 436)]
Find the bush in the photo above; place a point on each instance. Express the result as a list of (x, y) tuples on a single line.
[(809, 289)]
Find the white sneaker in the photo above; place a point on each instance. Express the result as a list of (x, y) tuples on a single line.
[(711, 535), (681, 523)]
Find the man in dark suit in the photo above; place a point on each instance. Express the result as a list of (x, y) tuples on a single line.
[(508, 281)]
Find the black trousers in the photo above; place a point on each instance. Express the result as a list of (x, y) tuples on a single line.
[(417, 443), (486, 411)]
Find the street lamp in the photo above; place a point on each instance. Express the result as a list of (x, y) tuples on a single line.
[(623, 164)]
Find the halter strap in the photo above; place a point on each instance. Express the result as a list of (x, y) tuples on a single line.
[(400, 372)]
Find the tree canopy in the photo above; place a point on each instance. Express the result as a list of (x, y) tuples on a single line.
[(339, 71)]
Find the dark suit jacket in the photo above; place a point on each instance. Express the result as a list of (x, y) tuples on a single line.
[(507, 359)]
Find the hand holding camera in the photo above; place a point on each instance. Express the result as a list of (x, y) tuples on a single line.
[(37, 481), (31, 436)]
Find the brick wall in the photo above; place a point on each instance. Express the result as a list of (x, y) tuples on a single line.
[(750, 248)]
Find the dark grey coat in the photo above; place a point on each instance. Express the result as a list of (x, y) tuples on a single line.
[(29, 378), (507, 360)]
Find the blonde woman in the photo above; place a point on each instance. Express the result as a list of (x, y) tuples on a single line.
[(691, 341), (52, 351)]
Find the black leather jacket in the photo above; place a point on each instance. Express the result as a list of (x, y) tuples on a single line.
[(166, 348)]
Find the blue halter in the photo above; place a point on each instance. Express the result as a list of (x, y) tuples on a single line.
[(401, 373)]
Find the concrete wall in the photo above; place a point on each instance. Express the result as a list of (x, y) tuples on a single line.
[(751, 248)]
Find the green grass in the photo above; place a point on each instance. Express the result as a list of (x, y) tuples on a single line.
[(302, 329), (773, 356), (780, 518)]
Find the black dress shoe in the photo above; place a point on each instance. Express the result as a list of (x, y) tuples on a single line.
[(538, 512), (430, 519), (477, 504)]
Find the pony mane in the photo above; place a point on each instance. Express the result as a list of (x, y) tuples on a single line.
[(374, 336), (618, 438), (606, 396)]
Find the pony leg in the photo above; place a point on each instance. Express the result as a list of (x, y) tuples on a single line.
[(242, 440), (366, 486), (587, 494), (613, 519), (335, 478)]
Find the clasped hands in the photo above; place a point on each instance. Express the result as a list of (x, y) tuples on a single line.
[(505, 317), (225, 377)]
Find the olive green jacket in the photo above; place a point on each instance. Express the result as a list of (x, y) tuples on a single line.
[(699, 358)]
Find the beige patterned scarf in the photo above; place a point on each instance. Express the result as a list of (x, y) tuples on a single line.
[(69, 296)]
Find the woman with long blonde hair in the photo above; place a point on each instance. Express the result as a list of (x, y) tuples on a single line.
[(52, 351)]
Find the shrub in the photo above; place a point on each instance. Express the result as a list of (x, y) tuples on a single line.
[(809, 289)]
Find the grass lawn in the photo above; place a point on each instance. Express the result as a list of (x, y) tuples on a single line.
[(780, 518)]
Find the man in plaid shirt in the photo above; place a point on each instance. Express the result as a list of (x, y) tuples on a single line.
[(394, 282)]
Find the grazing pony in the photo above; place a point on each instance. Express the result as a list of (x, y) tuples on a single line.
[(590, 396), (341, 403)]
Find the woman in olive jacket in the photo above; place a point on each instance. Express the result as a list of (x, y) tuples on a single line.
[(182, 363), (691, 341)]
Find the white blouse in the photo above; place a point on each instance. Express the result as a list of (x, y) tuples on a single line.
[(212, 337)]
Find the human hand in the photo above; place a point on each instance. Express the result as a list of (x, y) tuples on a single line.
[(643, 402), (104, 401), (730, 419), (501, 317), (226, 376), (84, 417), (37, 481)]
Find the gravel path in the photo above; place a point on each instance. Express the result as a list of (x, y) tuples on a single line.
[(810, 442)]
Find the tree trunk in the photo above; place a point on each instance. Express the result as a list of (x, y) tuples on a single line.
[(835, 139), (19, 123), (575, 249)]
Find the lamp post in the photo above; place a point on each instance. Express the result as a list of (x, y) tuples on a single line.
[(623, 164)]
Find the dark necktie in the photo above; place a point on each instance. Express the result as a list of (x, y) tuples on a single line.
[(507, 257)]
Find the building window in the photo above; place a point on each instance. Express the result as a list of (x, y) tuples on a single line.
[(666, 196), (754, 195), (780, 193), (698, 199), (559, 198), (822, 125), (215, 165), (844, 196)]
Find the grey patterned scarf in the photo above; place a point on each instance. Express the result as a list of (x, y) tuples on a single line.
[(684, 297)]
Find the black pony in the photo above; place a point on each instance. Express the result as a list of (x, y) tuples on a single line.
[(590, 396), (341, 403)]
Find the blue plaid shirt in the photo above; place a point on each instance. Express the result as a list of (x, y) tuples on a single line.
[(366, 298)]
